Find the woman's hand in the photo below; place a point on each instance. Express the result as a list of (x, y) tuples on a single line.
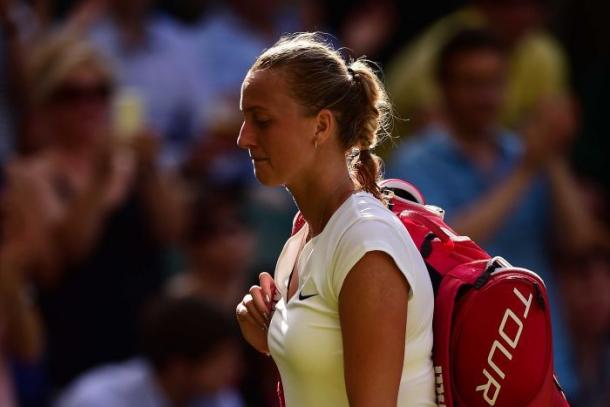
[(255, 311)]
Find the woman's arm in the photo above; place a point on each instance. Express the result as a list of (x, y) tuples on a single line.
[(373, 314)]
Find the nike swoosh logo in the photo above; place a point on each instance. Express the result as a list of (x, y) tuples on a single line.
[(304, 297)]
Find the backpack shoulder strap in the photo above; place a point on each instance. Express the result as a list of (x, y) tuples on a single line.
[(297, 223)]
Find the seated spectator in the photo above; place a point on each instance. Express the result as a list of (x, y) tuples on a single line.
[(101, 211), (536, 66), (189, 357), (511, 197)]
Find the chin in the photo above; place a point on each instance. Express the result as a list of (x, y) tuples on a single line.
[(265, 176), (266, 180)]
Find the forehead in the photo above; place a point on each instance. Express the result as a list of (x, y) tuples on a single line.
[(266, 89)]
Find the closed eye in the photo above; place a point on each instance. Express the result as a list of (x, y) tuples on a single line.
[(262, 123)]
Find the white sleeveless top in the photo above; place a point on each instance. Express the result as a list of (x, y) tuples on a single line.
[(305, 332)]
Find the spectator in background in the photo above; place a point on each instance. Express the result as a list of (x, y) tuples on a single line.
[(585, 283), (157, 70), (189, 357), (536, 63), (101, 211), (504, 194), (220, 251)]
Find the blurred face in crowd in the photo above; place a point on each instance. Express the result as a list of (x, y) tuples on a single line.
[(474, 89), (276, 131), (78, 110), (512, 20), (227, 249)]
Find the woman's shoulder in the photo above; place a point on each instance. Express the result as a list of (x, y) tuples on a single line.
[(366, 218), (361, 219), (365, 208), (373, 227)]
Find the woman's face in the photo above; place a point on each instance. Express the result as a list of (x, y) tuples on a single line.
[(277, 133), (78, 110)]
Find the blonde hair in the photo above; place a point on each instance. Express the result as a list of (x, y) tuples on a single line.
[(55, 58), (320, 78)]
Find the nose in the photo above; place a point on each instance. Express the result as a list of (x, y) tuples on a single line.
[(246, 138)]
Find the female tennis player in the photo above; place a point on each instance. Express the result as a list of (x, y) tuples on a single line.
[(348, 316)]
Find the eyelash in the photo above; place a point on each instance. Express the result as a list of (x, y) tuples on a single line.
[(261, 123)]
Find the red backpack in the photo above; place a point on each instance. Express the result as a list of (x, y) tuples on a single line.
[(492, 325)]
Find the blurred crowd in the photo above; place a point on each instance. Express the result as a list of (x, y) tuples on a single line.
[(131, 224)]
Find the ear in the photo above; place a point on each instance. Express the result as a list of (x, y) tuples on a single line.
[(325, 126)]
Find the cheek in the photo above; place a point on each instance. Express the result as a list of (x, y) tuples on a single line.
[(288, 145), (298, 142), (286, 148)]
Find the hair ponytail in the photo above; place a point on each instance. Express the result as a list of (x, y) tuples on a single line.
[(366, 171), (370, 124)]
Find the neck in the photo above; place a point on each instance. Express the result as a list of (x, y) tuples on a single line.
[(321, 195)]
